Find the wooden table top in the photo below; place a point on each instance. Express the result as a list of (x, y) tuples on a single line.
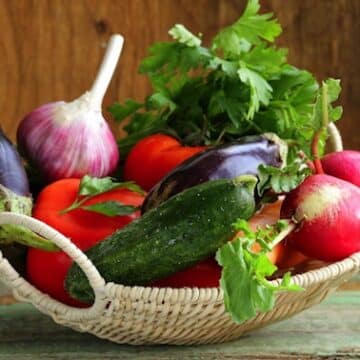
[(330, 330)]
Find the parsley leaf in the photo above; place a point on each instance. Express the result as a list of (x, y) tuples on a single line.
[(120, 112), (111, 208), (184, 36), (244, 272), (260, 89), (332, 88), (91, 186), (239, 85), (249, 30), (281, 180)]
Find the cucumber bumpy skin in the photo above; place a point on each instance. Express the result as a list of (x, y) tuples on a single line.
[(182, 231)]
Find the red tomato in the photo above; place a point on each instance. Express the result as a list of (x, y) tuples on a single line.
[(153, 157), (204, 274), (46, 270)]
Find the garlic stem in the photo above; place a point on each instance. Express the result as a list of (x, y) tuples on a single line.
[(106, 71)]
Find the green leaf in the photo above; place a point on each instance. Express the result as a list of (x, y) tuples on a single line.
[(111, 208), (228, 40), (92, 186), (142, 121), (268, 61), (281, 180), (333, 89), (160, 101), (184, 36), (260, 89), (244, 272), (239, 86), (120, 112), (161, 53), (171, 62), (251, 28), (229, 68)]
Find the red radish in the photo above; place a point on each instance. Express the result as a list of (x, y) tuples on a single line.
[(343, 165), (327, 210)]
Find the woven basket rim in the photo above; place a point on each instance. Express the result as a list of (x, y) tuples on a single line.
[(327, 272)]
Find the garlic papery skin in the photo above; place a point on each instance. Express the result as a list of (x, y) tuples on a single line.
[(65, 140), (72, 139)]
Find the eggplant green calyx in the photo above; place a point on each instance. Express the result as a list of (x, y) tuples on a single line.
[(10, 201)]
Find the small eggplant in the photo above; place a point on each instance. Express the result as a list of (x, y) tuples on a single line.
[(224, 161), (12, 173), (13, 179), (15, 197)]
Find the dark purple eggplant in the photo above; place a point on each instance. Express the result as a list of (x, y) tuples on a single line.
[(219, 162), (12, 172), (15, 197), (14, 191)]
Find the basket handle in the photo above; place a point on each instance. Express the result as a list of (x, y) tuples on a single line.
[(27, 292)]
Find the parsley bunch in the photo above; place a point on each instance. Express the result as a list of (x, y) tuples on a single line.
[(241, 84), (244, 275)]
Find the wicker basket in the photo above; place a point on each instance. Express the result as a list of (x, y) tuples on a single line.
[(144, 315)]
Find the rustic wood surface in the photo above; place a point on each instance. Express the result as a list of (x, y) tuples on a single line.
[(50, 49), (330, 330)]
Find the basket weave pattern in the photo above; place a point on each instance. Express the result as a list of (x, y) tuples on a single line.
[(144, 315)]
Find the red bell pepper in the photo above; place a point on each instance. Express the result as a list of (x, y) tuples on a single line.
[(47, 270), (153, 157)]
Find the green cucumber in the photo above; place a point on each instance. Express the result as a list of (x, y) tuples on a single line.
[(180, 232)]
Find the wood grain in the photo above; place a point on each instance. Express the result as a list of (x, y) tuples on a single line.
[(50, 49)]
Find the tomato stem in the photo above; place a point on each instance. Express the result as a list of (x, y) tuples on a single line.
[(75, 205)]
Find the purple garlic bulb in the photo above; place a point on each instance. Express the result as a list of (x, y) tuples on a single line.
[(72, 139)]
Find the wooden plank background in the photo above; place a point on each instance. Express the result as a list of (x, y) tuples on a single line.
[(50, 49)]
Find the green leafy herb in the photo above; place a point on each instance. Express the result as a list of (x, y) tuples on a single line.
[(121, 112), (260, 89), (111, 208), (281, 180), (332, 88), (249, 30), (91, 186), (182, 35), (324, 113), (240, 84), (244, 272)]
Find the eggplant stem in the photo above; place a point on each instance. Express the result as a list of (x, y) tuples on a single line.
[(106, 70), (21, 235)]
